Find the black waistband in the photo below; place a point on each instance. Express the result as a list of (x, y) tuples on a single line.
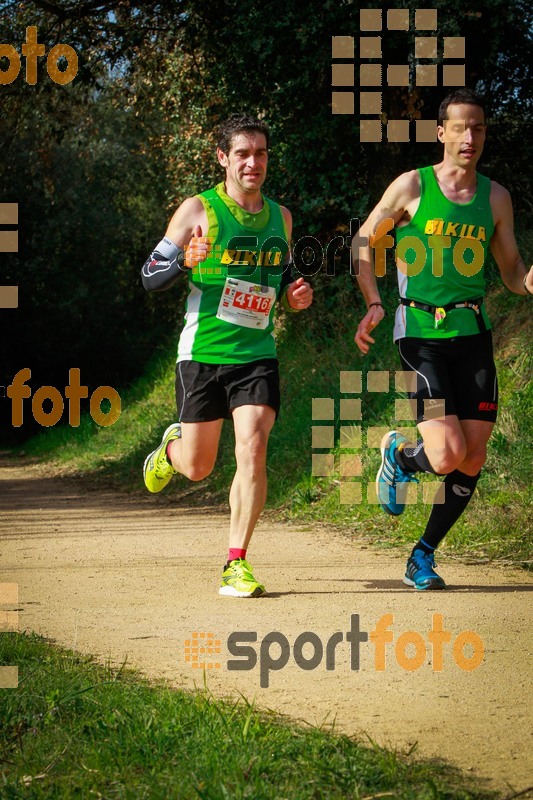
[(474, 305)]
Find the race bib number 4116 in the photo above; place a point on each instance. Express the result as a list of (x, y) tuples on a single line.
[(246, 304)]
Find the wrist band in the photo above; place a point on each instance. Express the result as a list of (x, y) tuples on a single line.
[(378, 303), (287, 306)]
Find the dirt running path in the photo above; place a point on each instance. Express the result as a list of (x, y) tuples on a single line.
[(132, 578)]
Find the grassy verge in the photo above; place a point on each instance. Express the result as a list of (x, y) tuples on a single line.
[(75, 729), (312, 358)]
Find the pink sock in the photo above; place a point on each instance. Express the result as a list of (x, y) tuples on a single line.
[(236, 552)]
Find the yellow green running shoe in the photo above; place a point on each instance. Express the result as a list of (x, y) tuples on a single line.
[(238, 581), (157, 469)]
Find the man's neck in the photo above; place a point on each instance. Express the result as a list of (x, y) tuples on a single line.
[(252, 202), (455, 177)]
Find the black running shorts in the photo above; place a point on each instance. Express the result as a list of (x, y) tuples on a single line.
[(205, 392), (459, 371)]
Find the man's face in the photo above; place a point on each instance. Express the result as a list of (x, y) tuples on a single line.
[(463, 134), (246, 162)]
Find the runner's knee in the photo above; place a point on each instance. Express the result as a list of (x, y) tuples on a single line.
[(251, 453), (445, 459), (474, 460), (198, 470)]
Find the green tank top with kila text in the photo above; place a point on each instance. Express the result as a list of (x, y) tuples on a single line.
[(440, 256), (229, 316)]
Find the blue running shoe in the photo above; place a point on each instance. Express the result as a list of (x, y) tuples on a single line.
[(420, 571), (391, 480)]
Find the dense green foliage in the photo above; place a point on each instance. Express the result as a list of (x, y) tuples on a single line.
[(97, 166)]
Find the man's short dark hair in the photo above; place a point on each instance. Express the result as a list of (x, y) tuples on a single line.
[(240, 123), (459, 96)]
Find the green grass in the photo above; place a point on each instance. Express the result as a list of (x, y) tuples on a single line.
[(76, 729), (312, 353)]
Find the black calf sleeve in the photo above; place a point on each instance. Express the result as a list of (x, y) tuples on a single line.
[(457, 488), (414, 459)]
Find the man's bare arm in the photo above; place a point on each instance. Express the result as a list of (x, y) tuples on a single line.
[(393, 206), (503, 243), (295, 294), (182, 247), (187, 217)]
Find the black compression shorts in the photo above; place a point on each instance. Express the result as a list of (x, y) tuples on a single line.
[(205, 392), (453, 376)]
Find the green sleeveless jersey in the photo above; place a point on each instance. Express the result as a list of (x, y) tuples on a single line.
[(444, 249), (229, 316)]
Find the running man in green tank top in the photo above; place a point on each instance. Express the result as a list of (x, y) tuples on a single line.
[(233, 244), (445, 218)]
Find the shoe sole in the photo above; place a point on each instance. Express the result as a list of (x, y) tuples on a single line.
[(409, 582), (385, 443), (229, 591), (146, 460)]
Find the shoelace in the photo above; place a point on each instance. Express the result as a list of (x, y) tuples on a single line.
[(242, 570), (161, 467), (402, 476), (425, 560)]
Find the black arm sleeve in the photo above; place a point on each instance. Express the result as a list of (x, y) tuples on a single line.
[(163, 266)]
